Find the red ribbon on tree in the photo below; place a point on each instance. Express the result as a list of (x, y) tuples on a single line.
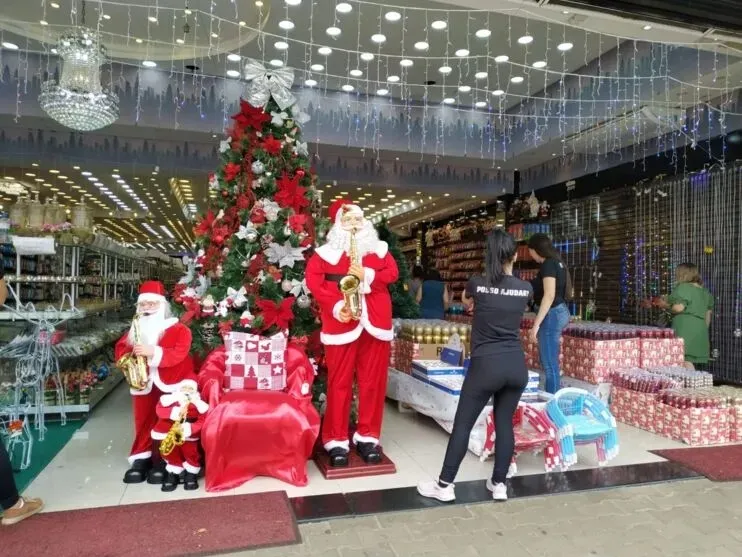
[(272, 313)]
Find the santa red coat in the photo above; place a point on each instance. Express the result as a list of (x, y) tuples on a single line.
[(380, 270), (171, 362), (169, 408)]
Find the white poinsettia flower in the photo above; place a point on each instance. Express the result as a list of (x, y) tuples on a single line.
[(271, 209), (301, 149), (278, 118), (225, 145), (284, 255)]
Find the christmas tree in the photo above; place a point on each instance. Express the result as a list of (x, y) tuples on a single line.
[(403, 306), (254, 238)]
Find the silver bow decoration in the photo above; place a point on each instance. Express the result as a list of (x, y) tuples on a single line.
[(237, 298), (265, 84)]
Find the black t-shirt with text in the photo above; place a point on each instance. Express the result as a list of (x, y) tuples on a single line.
[(555, 269), (497, 314)]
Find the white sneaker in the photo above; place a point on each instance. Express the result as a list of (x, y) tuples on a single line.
[(499, 491), (512, 470), (432, 490)]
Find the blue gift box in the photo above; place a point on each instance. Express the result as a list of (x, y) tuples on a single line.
[(436, 367), (451, 356), (450, 384)]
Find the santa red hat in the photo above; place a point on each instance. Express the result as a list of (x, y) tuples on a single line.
[(340, 207), (151, 291)]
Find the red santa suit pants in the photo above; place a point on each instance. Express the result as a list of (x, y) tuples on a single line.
[(185, 456), (368, 357), (145, 418)]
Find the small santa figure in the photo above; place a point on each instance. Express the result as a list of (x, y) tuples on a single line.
[(354, 345), (184, 412), (165, 344)]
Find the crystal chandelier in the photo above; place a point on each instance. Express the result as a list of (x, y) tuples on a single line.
[(79, 101)]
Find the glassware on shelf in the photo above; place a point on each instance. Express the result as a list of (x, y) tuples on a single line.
[(35, 212), (19, 212), (82, 217)]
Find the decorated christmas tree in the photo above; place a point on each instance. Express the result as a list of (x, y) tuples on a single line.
[(403, 306), (253, 240)]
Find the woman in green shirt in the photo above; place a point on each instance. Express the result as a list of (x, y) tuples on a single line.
[(691, 306)]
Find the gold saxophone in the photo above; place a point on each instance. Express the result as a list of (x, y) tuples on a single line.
[(133, 367), (175, 437), (350, 285)]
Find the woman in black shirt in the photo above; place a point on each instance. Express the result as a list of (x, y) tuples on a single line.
[(497, 369), (551, 288)]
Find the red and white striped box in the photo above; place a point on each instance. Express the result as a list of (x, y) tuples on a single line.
[(255, 362)]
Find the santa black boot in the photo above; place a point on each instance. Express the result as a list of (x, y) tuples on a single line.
[(138, 472), (369, 452), (170, 482), (190, 481), (157, 473), (338, 457)]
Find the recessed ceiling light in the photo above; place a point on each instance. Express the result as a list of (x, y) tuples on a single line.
[(276, 63), (498, 92), (483, 33), (382, 92), (54, 51), (333, 31), (439, 25), (30, 174), (480, 75), (480, 104), (281, 45), (310, 83), (152, 19), (242, 23), (43, 22), (462, 52), (344, 8), (356, 73), (565, 12), (445, 70), (392, 16), (233, 73), (214, 36), (179, 41), (10, 46), (234, 57), (286, 24), (502, 58), (54, 5), (106, 16), (324, 50), (647, 27), (367, 56), (525, 39), (348, 88), (449, 100), (464, 89), (406, 63), (139, 41), (539, 64), (378, 38), (86, 173), (421, 45), (149, 64), (288, 2), (54, 171), (516, 79), (393, 79)]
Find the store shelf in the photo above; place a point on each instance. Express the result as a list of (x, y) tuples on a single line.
[(50, 314), (97, 394)]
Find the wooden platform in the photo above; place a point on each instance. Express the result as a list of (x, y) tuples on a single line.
[(357, 467)]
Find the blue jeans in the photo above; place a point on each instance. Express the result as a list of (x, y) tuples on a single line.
[(549, 335)]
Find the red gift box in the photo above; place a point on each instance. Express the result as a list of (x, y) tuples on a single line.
[(695, 426), (661, 352), (735, 424), (594, 360), (255, 362)]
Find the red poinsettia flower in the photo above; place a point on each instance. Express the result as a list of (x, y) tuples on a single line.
[(271, 145), (243, 202), (297, 223), (256, 265), (205, 224), (178, 292), (257, 215), (272, 313), (291, 194), (225, 327), (250, 116), (231, 171)]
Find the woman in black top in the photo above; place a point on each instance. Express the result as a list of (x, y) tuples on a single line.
[(497, 369), (551, 288)]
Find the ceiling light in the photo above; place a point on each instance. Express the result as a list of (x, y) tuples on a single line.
[(449, 100), (234, 57), (539, 64), (356, 73), (502, 58), (324, 50), (54, 172), (439, 25), (54, 51), (378, 38), (382, 92), (149, 64), (214, 36), (310, 83), (344, 8), (152, 19), (516, 79), (647, 27), (54, 5), (348, 88), (392, 16), (43, 22), (480, 104), (525, 39), (10, 46), (242, 23), (286, 24), (281, 45), (393, 79), (333, 31), (406, 63), (367, 56), (464, 89), (565, 12), (106, 16), (445, 70), (462, 52), (480, 75), (422, 45), (498, 92), (564, 46), (86, 173), (139, 41), (179, 41), (317, 67), (276, 63), (30, 174), (233, 73), (483, 33), (288, 2)]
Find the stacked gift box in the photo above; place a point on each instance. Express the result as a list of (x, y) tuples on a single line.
[(423, 339)]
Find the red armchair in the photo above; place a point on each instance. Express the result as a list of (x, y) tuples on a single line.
[(258, 433)]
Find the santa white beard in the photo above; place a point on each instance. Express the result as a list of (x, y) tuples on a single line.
[(367, 239), (151, 327)]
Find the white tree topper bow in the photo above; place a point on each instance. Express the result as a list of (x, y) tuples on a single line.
[(265, 84)]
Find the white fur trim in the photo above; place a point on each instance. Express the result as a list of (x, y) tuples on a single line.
[(342, 338), (140, 456), (335, 444), (191, 468), (363, 439), (332, 255), (173, 469), (150, 297), (157, 436), (156, 358), (336, 309), (368, 278), (145, 391), (305, 388), (175, 413), (187, 430), (380, 334)]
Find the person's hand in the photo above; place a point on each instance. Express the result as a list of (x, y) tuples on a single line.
[(142, 350), (661, 302), (345, 315), (357, 271), (533, 333)]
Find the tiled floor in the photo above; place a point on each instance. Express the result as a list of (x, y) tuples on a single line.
[(88, 471)]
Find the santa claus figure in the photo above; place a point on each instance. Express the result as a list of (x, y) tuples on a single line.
[(165, 344), (354, 344), (182, 411)]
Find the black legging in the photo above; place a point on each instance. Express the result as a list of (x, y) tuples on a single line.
[(8, 490), (503, 377)]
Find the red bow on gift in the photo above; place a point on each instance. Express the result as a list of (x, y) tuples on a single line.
[(276, 314)]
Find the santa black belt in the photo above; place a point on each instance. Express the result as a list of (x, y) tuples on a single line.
[(334, 278)]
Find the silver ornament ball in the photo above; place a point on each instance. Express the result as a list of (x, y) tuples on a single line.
[(251, 236), (286, 285), (303, 301), (258, 167)]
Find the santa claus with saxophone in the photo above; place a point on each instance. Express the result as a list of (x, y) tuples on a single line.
[(349, 276)]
